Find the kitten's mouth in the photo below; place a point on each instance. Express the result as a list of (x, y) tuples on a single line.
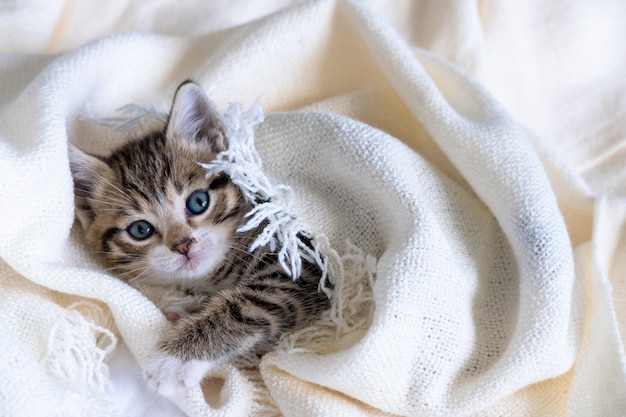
[(192, 266), (187, 262)]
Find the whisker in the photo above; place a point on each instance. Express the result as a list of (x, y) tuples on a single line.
[(121, 192), (144, 273), (110, 200)]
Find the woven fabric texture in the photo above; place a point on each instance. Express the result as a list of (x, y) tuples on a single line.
[(464, 160)]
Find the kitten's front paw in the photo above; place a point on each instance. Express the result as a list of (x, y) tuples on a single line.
[(167, 374)]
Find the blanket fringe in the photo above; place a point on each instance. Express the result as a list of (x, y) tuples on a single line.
[(76, 352), (352, 305), (352, 308), (284, 232)]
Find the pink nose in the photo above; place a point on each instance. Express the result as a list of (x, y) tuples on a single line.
[(182, 246)]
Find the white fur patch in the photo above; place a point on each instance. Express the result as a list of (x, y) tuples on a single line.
[(168, 375)]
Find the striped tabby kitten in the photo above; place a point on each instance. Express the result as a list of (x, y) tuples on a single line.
[(151, 215)]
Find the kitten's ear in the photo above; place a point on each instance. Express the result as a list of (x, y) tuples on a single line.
[(194, 118), (87, 171)]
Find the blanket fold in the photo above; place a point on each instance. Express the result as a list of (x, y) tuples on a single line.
[(474, 266)]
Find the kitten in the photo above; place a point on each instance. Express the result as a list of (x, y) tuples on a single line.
[(151, 215)]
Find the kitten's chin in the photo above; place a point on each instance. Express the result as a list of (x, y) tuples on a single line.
[(194, 268)]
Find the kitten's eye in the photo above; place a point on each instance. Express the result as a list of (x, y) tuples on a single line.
[(197, 202), (140, 230)]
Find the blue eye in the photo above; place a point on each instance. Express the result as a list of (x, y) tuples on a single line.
[(140, 230), (198, 202)]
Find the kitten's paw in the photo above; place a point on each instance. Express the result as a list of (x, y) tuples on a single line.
[(168, 375)]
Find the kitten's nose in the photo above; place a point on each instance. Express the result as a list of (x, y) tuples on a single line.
[(182, 246)]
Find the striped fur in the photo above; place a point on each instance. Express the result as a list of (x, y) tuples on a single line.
[(249, 301)]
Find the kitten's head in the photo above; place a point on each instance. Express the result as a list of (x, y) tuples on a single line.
[(148, 210)]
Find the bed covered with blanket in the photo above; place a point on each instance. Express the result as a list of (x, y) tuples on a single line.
[(463, 163)]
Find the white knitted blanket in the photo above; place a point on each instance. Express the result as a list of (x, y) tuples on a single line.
[(471, 191)]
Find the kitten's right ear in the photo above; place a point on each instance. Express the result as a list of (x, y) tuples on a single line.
[(194, 118), (87, 171)]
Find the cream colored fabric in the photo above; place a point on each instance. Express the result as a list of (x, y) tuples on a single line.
[(472, 188)]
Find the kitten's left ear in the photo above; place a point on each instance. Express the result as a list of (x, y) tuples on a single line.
[(194, 118)]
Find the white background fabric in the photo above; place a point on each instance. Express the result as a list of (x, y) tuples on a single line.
[(473, 149)]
